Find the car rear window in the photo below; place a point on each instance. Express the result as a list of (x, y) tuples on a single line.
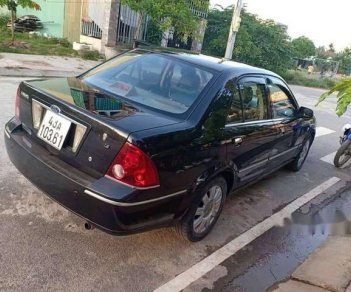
[(151, 79)]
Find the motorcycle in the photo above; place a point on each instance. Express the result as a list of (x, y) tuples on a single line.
[(344, 153)]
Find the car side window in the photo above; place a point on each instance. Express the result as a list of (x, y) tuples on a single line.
[(281, 104), (254, 101), (235, 113)]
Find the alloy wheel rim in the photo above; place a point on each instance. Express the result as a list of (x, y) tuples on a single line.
[(208, 209), (304, 152)]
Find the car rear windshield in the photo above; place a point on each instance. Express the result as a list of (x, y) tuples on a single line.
[(152, 80)]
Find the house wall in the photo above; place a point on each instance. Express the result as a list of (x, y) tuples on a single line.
[(96, 43), (72, 20), (51, 14), (196, 45)]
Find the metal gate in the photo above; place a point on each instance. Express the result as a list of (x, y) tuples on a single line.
[(127, 25)]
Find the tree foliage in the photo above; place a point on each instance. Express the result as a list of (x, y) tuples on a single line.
[(154, 33), (13, 4), (176, 14), (344, 58), (303, 47), (259, 42), (343, 90), (12, 7)]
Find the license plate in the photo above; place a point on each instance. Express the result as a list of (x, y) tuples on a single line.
[(53, 129)]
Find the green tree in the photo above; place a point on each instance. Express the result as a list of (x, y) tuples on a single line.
[(154, 33), (344, 58), (12, 7), (218, 23), (262, 43), (168, 13), (343, 90), (331, 48), (303, 47), (321, 52)]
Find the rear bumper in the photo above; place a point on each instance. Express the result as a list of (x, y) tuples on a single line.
[(107, 204)]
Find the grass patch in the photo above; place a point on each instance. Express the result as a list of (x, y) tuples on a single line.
[(90, 55), (301, 78), (38, 45), (4, 19)]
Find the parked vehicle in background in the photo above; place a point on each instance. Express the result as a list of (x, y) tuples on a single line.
[(343, 154), (27, 23), (151, 138)]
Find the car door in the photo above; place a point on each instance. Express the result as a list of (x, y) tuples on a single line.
[(249, 129), (283, 109)]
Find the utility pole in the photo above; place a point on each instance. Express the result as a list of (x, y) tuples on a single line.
[(234, 27)]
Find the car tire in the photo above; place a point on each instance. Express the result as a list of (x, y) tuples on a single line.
[(299, 160), (204, 211), (343, 152)]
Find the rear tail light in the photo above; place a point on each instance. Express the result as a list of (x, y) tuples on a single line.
[(17, 106), (37, 113), (133, 167)]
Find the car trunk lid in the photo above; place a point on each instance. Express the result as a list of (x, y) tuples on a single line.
[(106, 121)]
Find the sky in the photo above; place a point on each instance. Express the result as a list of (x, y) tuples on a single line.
[(322, 21)]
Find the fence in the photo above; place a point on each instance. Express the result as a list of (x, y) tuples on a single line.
[(91, 29), (203, 13), (127, 25)]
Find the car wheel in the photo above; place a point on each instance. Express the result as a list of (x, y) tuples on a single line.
[(204, 211), (343, 154), (299, 160)]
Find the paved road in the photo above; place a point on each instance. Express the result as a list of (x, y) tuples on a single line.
[(44, 247)]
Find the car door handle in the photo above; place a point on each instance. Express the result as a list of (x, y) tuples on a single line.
[(237, 141)]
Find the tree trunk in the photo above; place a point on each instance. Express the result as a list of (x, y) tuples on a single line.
[(13, 18), (165, 37)]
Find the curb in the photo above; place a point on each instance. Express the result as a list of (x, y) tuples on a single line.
[(37, 73)]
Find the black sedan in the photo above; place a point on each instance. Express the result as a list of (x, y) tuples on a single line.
[(151, 138)]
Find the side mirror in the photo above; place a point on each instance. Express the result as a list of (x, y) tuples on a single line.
[(304, 112)]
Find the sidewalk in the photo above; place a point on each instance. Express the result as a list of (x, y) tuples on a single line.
[(23, 65), (327, 269)]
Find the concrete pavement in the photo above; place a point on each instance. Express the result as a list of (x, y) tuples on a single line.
[(23, 65), (327, 269)]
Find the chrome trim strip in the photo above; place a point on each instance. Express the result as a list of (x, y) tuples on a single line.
[(7, 134), (133, 187), (118, 132), (60, 114), (101, 198), (284, 152), (248, 123), (65, 117), (257, 164), (279, 119), (256, 121)]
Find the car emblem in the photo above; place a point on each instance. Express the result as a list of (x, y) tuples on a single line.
[(55, 109)]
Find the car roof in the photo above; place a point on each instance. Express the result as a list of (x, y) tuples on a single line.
[(212, 63)]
